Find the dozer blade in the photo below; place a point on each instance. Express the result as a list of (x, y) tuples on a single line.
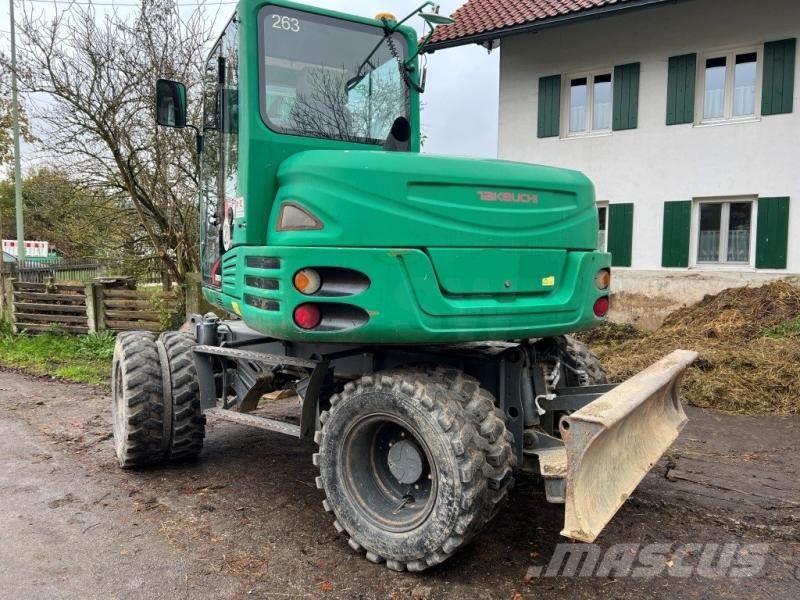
[(613, 442)]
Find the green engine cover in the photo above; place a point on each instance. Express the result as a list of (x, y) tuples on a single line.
[(373, 199)]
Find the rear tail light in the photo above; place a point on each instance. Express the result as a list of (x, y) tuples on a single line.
[(601, 307), (603, 279), (307, 316), (307, 281)]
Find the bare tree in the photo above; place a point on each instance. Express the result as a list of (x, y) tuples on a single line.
[(95, 78), (325, 108), (6, 120)]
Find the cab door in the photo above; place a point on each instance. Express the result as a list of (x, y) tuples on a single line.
[(220, 203)]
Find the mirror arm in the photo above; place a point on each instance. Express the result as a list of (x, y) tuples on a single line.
[(411, 14), (198, 137), (411, 58)]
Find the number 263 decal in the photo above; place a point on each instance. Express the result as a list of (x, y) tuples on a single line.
[(285, 23)]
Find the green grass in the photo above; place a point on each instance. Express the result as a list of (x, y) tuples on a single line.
[(81, 358), (784, 330)]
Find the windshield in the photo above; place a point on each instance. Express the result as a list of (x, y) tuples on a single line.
[(309, 59)]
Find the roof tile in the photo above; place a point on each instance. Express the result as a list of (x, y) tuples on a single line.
[(481, 16)]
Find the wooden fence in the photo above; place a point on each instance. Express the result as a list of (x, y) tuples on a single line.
[(82, 308), (125, 309), (39, 307), (81, 270)]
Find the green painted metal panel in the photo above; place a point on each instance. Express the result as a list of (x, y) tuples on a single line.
[(620, 234), (407, 199), (680, 89), (677, 229), (498, 270), (772, 233), (777, 94), (405, 300), (549, 115), (626, 97)]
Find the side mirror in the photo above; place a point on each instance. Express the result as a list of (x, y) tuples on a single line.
[(170, 103)]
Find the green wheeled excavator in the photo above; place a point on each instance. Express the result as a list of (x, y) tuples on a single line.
[(419, 306)]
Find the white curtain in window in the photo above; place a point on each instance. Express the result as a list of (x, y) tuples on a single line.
[(601, 110), (577, 105), (708, 250), (739, 246), (601, 240), (714, 104), (744, 100), (714, 92), (744, 93), (577, 118)]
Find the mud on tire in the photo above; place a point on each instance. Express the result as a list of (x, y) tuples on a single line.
[(137, 407), (188, 424), (586, 361), (465, 493), (494, 440)]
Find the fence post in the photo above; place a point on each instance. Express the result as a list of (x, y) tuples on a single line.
[(91, 307), (8, 299), (98, 303), (9, 304)]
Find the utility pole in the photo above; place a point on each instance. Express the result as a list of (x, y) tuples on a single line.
[(15, 119)]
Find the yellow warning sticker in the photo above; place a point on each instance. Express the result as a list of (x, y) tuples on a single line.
[(236, 309), (549, 281)]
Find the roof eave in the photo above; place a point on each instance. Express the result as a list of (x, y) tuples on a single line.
[(530, 27)]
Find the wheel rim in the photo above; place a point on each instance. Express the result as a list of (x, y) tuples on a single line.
[(388, 472), (117, 413)]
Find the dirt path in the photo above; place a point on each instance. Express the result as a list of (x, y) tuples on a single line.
[(246, 519)]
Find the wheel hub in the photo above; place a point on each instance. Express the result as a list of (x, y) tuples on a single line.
[(405, 462), (388, 472)]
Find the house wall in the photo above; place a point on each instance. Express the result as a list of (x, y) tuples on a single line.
[(655, 163)]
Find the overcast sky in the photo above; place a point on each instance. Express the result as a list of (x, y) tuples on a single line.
[(459, 105)]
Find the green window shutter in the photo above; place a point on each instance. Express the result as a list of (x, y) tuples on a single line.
[(772, 233), (680, 89), (677, 228), (620, 234), (626, 97), (777, 93), (549, 106)]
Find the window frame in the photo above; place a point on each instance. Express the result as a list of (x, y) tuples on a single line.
[(565, 103), (602, 205), (730, 55), (694, 239)]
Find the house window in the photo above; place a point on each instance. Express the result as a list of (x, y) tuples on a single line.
[(589, 99), (729, 87), (602, 234), (724, 232)]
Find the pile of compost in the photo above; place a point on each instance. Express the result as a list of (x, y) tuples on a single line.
[(749, 344)]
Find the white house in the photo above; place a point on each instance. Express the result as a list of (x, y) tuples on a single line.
[(684, 113)]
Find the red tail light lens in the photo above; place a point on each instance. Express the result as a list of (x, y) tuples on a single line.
[(601, 307), (307, 316)]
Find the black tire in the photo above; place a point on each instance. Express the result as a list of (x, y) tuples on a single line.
[(492, 437), (586, 362), (137, 407), (459, 493), (188, 427)]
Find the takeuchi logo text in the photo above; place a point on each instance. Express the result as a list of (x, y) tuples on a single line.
[(512, 197)]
